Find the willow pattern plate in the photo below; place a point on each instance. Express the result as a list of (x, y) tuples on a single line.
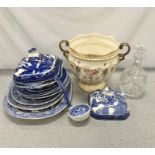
[(50, 112)]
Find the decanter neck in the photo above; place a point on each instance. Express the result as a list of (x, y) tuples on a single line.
[(138, 55), (137, 62)]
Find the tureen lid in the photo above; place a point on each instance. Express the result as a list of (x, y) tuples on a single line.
[(93, 46), (36, 67)]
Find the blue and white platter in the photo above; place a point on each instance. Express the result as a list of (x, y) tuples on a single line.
[(108, 104)]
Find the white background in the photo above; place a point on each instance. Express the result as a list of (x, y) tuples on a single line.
[(92, 3), (44, 28)]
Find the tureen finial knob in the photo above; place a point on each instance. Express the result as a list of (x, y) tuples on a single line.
[(33, 53), (32, 50)]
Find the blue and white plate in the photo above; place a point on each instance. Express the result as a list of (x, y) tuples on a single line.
[(41, 114), (24, 91), (108, 104), (17, 101), (33, 107), (42, 95), (27, 101)]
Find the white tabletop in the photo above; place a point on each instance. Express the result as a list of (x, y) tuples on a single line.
[(137, 131)]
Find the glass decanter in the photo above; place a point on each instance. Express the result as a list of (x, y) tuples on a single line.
[(133, 79)]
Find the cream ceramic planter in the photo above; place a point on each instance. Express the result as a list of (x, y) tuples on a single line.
[(92, 58)]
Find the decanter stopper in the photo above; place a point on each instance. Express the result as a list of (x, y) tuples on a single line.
[(133, 79)]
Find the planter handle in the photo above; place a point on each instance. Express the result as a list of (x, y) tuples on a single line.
[(64, 51), (122, 55)]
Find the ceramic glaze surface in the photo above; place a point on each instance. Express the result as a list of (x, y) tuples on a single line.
[(108, 104), (62, 74), (37, 114), (79, 110), (42, 95), (41, 88), (93, 72), (92, 58), (36, 67), (93, 44)]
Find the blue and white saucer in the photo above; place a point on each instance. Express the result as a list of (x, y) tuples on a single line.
[(108, 104)]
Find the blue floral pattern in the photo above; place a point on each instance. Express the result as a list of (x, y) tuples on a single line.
[(41, 88), (79, 110), (37, 67), (108, 104), (46, 113)]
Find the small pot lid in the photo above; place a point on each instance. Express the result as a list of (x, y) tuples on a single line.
[(94, 46)]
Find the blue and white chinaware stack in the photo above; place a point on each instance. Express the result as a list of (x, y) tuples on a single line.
[(108, 104), (40, 88)]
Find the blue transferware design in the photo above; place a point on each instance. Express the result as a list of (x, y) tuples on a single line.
[(37, 67), (42, 114), (64, 90), (79, 110), (49, 93), (108, 104), (15, 104), (18, 98), (14, 112), (40, 85), (38, 91), (36, 86), (28, 101), (34, 105)]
